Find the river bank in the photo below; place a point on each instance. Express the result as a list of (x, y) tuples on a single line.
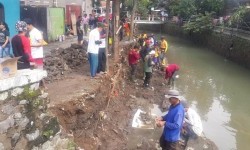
[(98, 114), (230, 46)]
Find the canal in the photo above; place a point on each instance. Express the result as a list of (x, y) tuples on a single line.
[(218, 89)]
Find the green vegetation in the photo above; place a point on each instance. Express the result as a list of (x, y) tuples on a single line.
[(239, 16), (143, 6), (48, 133), (199, 23), (184, 8), (197, 13), (28, 94), (71, 145)]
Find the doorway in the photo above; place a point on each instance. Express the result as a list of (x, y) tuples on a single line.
[(1, 12)]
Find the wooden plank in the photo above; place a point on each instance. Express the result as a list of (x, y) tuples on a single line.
[(73, 20)]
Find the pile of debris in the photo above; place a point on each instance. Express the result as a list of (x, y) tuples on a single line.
[(62, 61)]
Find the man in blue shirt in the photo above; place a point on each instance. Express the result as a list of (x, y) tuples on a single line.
[(172, 122)]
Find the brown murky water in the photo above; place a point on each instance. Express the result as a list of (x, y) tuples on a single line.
[(218, 89)]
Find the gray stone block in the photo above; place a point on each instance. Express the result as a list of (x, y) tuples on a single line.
[(1, 146), (6, 124), (4, 96), (17, 91), (33, 136), (8, 109), (23, 102)]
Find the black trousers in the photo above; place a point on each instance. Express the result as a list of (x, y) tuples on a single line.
[(23, 65), (165, 145), (133, 68), (147, 78), (101, 60)]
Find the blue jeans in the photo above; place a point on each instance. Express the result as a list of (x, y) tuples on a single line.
[(5, 51), (93, 61)]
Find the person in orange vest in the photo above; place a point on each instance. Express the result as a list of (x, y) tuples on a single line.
[(127, 28)]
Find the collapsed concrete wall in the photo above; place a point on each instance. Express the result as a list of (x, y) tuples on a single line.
[(232, 47)]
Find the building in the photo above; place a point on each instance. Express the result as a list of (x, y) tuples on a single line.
[(85, 4), (10, 13)]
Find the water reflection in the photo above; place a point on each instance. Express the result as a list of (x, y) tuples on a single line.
[(218, 90)]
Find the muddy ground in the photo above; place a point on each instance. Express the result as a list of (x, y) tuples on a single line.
[(81, 105), (98, 113)]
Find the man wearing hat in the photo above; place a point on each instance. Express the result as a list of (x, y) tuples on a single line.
[(172, 122), (93, 48), (21, 46), (148, 68)]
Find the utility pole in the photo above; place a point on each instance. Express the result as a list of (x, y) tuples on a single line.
[(116, 17), (107, 33)]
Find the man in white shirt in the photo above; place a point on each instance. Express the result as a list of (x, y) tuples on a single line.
[(93, 48), (102, 53), (192, 122), (36, 43)]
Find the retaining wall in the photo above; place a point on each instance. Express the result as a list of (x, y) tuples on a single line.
[(14, 86)]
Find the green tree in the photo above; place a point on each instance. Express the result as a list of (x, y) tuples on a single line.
[(182, 8), (215, 6), (199, 24), (186, 9), (238, 16), (143, 6)]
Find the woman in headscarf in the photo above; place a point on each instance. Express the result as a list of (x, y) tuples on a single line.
[(21, 46)]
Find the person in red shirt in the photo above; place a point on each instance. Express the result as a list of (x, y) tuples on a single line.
[(21, 46), (171, 73), (133, 58)]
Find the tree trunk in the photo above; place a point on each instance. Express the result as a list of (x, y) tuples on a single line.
[(107, 34), (116, 14), (132, 25)]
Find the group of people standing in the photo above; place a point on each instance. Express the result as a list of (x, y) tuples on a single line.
[(153, 57), (84, 24), (180, 119), (27, 44)]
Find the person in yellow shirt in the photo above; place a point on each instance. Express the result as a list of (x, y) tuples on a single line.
[(164, 45), (157, 54)]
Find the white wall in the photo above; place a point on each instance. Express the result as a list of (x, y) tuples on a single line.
[(87, 6)]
